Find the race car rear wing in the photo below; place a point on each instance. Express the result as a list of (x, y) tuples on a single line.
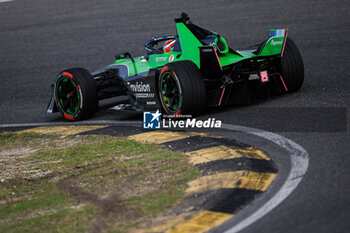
[(209, 60), (275, 43), (195, 42)]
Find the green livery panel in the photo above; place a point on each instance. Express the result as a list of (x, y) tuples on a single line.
[(192, 37)]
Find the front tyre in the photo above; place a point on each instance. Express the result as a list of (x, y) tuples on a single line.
[(75, 94), (292, 67), (181, 88)]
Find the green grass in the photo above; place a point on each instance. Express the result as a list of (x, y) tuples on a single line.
[(142, 180)]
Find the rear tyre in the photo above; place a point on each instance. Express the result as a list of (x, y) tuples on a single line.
[(181, 88), (75, 94), (292, 68)]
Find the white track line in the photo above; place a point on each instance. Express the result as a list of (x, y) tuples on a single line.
[(299, 164), (1, 1), (298, 156)]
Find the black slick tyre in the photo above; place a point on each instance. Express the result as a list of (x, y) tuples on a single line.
[(292, 68), (75, 94), (181, 89)]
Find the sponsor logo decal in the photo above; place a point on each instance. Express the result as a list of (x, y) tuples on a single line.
[(140, 87), (151, 102), (144, 95), (206, 50), (171, 58), (274, 43), (151, 120), (254, 77), (161, 59)]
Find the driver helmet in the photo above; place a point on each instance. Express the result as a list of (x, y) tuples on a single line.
[(168, 46)]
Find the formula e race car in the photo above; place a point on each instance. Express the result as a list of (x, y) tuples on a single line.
[(193, 69)]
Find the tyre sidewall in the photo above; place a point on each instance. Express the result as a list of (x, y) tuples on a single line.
[(191, 85), (168, 69), (292, 67), (86, 89)]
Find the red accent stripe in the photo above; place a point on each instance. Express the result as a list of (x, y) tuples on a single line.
[(165, 68), (222, 95), (283, 83), (285, 40), (68, 117), (217, 57), (167, 45), (178, 113), (66, 74), (79, 87)]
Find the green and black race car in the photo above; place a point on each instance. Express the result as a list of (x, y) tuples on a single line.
[(192, 70)]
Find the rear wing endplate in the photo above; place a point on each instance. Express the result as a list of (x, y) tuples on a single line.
[(275, 43)]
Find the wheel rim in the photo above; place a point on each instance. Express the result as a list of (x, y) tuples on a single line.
[(68, 96), (170, 93)]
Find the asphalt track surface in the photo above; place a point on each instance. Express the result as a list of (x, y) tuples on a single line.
[(39, 38)]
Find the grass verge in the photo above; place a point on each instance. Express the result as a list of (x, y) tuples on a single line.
[(95, 183)]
